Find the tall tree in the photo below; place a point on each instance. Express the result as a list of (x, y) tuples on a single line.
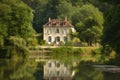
[(39, 7), (65, 9), (15, 28), (16, 18), (112, 26), (89, 24)]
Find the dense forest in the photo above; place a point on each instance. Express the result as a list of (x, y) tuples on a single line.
[(15, 27), (111, 32), (83, 14), (96, 21)]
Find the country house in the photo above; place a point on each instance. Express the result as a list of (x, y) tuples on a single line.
[(57, 30)]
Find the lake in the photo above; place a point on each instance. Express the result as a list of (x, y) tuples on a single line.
[(55, 70)]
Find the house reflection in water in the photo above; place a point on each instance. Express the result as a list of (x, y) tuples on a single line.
[(53, 70)]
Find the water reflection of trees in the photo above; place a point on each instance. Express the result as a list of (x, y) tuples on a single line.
[(8, 67), (24, 72), (86, 72), (31, 70), (19, 70)]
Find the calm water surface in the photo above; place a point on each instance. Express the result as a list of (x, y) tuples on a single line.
[(52, 70)]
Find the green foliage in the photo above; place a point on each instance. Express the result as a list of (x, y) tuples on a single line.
[(32, 42), (69, 43), (64, 9), (14, 48), (15, 41), (17, 18), (39, 12), (112, 30), (80, 12), (25, 72), (83, 73), (43, 9), (103, 55), (111, 1), (89, 24), (15, 26), (76, 40), (19, 70), (91, 55), (43, 42), (66, 54)]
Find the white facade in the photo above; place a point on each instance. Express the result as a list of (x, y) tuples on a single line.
[(56, 35)]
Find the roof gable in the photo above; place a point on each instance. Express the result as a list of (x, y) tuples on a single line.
[(58, 22)]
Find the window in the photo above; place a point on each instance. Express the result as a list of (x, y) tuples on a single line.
[(65, 39), (65, 31), (49, 39), (49, 31), (57, 30), (57, 39)]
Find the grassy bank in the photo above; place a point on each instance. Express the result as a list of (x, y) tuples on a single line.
[(83, 54), (96, 55)]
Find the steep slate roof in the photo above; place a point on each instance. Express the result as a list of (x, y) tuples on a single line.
[(57, 23)]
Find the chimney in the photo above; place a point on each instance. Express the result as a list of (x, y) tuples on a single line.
[(49, 19), (65, 18)]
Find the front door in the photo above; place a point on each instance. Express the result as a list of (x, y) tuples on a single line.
[(57, 40)]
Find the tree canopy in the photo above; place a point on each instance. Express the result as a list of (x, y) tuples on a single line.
[(112, 26), (77, 11), (15, 20), (89, 24), (43, 9), (15, 28)]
